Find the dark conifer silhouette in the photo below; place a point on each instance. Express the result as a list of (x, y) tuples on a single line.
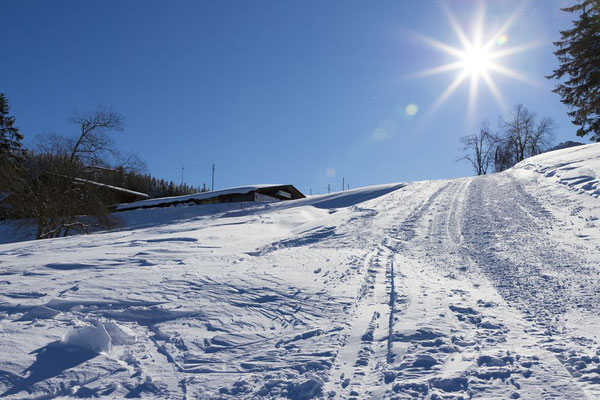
[(578, 53)]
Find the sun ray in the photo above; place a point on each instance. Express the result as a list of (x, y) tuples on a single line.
[(438, 70), (513, 50), (507, 24), (478, 28), (443, 46), (494, 89), (513, 74), (472, 96), (444, 96), (462, 36), (450, 89)]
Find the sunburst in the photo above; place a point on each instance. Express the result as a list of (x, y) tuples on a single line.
[(477, 59)]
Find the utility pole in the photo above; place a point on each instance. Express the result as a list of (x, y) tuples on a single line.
[(348, 185), (310, 191), (181, 174), (343, 184), (213, 179), (328, 187)]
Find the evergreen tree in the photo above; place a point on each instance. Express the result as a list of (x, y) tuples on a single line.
[(10, 138), (578, 53), (11, 157)]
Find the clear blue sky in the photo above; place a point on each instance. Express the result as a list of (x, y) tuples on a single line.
[(272, 91)]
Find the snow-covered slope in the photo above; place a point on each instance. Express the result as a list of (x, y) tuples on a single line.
[(482, 287)]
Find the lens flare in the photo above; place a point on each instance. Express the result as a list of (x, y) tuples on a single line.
[(411, 109)]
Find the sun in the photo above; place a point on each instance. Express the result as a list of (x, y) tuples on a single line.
[(477, 58), (476, 61)]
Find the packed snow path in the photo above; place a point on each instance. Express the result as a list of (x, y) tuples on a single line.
[(471, 288)]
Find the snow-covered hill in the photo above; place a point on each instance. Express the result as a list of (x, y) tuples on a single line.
[(482, 287)]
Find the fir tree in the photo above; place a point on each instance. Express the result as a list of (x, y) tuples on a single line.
[(11, 157), (10, 138), (578, 53)]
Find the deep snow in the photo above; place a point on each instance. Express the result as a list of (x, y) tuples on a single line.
[(484, 287)]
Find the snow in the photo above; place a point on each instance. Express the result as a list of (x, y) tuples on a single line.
[(577, 168), (95, 338), (115, 188), (482, 287)]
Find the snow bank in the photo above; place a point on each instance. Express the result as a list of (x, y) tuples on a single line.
[(578, 167), (349, 197)]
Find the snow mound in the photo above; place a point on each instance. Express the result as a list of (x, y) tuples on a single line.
[(578, 167), (100, 337), (95, 338)]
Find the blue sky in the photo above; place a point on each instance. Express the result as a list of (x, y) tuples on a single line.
[(272, 91)]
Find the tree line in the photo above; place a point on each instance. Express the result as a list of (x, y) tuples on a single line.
[(67, 183)]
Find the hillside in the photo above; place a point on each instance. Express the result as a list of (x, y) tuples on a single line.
[(483, 287)]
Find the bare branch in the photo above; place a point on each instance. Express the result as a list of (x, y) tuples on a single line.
[(478, 148), (93, 128)]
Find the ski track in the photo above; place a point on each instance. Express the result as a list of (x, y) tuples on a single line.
[(480, 287)]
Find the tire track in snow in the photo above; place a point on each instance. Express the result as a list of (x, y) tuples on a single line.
[(533, 273), (448, 341), (496, 324)]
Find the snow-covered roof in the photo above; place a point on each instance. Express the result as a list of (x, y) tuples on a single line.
[(194, 197), (115, 188)]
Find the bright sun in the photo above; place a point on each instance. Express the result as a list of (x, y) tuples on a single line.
[(476, 59)]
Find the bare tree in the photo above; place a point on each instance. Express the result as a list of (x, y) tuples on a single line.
[(478, 149), (542, 137), (93, 144), (53, 143), (521, 136), (56, 196), (504, 155), (519, 128)]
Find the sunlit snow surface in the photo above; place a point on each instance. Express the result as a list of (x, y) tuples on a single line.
[(477, 287)]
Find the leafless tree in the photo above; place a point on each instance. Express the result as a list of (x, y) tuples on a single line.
[(519, 128), (521, 136), (542, 137), (55, 195), (93, 144), (53, 143), (478, 149)]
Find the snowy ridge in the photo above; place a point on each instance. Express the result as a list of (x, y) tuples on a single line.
[(484, 287)]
